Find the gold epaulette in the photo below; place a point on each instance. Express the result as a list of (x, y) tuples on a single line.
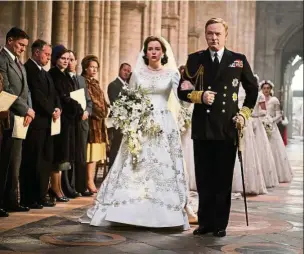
[(246, 112), (195, 96)]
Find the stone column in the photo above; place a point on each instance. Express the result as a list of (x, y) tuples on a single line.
[(94, 27), (130, 31), (79, 33), (193, 31), (60, 20), (114, 39), (106, 43), (183, 33), (45, 20), (86, 31), (101, 40), (31, 25), (170, 22), (232, 20), (251, 36), (155, 17), (45, 23), (71, 25)]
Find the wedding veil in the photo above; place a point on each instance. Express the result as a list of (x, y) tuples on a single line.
[(173, 103)]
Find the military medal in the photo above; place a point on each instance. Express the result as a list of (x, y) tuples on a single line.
[(235, 82), (234, 97)]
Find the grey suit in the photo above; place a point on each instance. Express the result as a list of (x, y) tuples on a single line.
[(82, 132), (115, 136), (15, 82)]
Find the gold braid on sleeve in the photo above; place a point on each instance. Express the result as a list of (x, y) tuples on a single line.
[(246, 112), (195, 96)]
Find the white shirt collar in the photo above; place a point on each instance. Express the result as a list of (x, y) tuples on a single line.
[(10, 53), (220, 54), (72, 74), (122, 81), (36, 64)]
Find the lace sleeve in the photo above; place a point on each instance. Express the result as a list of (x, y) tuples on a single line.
[(175, 82)]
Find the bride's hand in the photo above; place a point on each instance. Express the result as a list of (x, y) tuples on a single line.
[(186, 85)]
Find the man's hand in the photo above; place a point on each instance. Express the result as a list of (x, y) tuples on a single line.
[(31, 113), (209, 97), (239, 121), (27, 121), (85, 116), (186, 85), (56, 114)]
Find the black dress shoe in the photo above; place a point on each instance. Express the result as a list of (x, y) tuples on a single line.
[(34, 206), (202, 230), (47, 203), (220, 233), (3, 213), (74, 195), (87, 194), (19, 208)]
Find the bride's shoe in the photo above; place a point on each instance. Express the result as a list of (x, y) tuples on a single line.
[(191, 215)]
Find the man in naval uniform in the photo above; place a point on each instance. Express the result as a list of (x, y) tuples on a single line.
[(211, 80)]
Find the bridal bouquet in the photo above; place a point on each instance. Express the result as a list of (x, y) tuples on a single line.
[(131, 114), (184, 119), (268, 125)]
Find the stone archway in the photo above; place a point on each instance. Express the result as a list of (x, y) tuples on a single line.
[(287, 91), (288, 46)]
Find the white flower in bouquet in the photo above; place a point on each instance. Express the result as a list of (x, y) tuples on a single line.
[(268, 125), (131, 113), (184, 119)]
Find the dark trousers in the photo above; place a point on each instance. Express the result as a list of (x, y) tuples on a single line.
[(115, 137), (81, 161), (214, 164), (11, 154), (36, 166)]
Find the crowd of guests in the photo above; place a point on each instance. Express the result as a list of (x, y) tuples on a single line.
[(43, 168)]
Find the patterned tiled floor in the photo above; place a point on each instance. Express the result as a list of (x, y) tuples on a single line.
[(276, 226)]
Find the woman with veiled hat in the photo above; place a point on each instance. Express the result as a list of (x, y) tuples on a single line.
[(64, 143)]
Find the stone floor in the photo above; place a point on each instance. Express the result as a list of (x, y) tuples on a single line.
[(275, 226)]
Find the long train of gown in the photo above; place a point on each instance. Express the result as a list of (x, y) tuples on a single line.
[(254, 179), (154, 193), (187, 146), (283, 167), (264, 149)]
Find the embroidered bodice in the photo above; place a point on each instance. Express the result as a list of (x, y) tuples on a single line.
[(273, 109), (157, 83)]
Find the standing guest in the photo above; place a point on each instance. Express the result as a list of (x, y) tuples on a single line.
[(15, 82), (64, 143), (97, 141), (4, 115), (82, 129), (114, 89), (211, 80), (38, 147)]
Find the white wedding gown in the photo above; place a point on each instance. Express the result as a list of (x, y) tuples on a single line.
[(154, 193), (264, 149), (253, 175), (283, 167)]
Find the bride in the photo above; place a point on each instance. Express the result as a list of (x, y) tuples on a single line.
[(154, 194)]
